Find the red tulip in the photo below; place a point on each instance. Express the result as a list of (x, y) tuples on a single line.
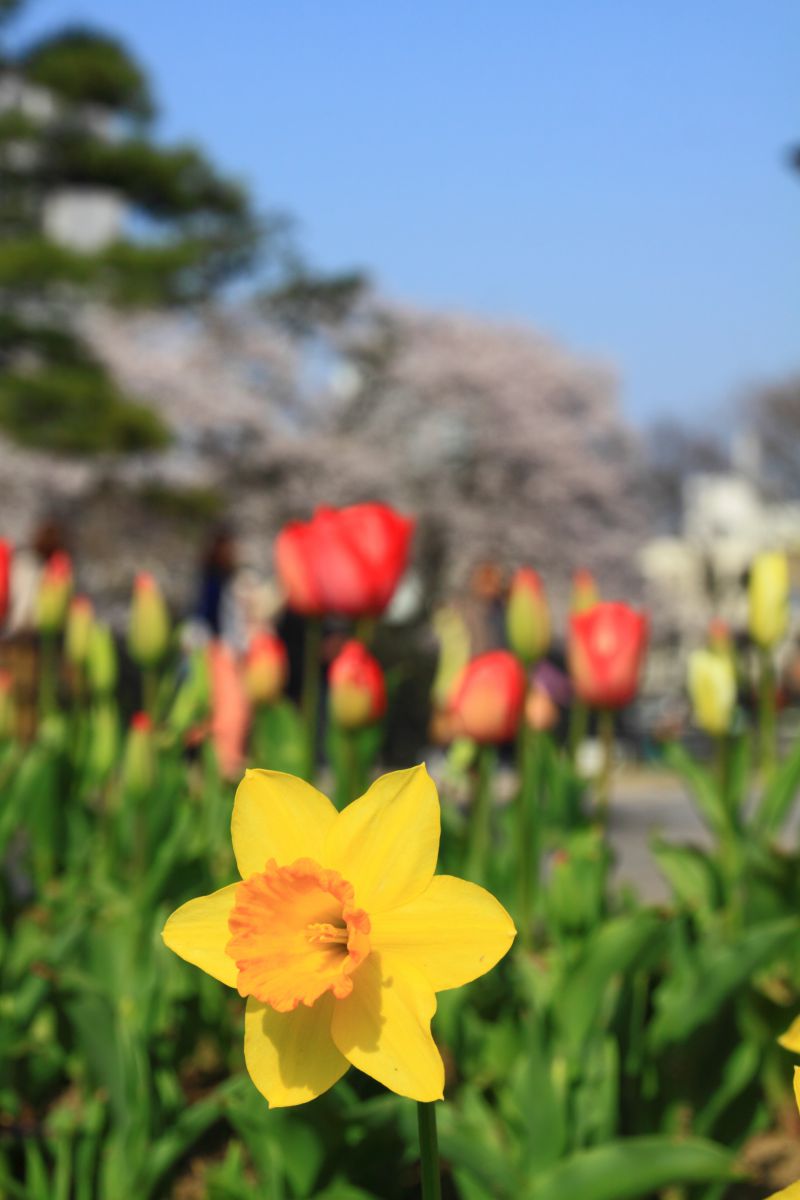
[(266, 668), (6, 556), (345, 561), (606, 648), (488, 697), (358, 689)]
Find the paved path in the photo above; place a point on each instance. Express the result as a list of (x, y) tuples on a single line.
[(645, 804)]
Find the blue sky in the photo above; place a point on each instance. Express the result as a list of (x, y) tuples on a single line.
[(612, 171)]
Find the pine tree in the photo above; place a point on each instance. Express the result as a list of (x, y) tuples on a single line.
[(76, 114)]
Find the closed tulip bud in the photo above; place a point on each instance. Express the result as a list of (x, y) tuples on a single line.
[(6, 557), (192, 701), (55, 587), (488, 697), (139, 761), (528, 617), (148, 632), (712, 689), (80, 619), (266, 669), (8, 709), (769, 599), (607, 645), (103, 740), (357, 687), (584, 591), (101, 660)]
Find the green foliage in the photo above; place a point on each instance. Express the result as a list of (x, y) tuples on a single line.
[(75, 409), (85, 67), (627, 1052)]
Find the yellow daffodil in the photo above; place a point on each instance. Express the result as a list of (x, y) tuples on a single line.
[(712, 688), (791, 1041), (769, 598), (340, 934)]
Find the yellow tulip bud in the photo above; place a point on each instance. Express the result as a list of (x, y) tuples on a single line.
[(54, 592), (79, 627), (101, 660), (769, 598), (148, 633), (528, 617), (712, 688)]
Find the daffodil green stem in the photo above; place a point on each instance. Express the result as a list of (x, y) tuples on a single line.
[(430, 1175), (481, 815), (310, 696), (766, 712), (605, 723)]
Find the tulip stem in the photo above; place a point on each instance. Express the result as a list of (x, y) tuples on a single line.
[(310, 697), (578, 720), (481, 816), (605, 722), (430, 1176), (149, 691), (48, 675), (721, 760), (365, 630), (529, 753), (766, 712)]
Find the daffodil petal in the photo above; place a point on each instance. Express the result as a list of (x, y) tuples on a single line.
[(291, 1057), (278, 816), (386, 842), (792, 1192), (198, 931), (383, 1028), (791, 1039), (797, 1087), (454, 932)]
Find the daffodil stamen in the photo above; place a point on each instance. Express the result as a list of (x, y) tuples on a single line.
[(296, 934)]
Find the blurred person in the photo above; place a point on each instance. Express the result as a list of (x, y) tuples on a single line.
[(215, 605), (483, 608)]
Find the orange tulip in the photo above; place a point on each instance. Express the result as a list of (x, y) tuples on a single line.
[(606, 648), (230, 712), (488, 697)]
